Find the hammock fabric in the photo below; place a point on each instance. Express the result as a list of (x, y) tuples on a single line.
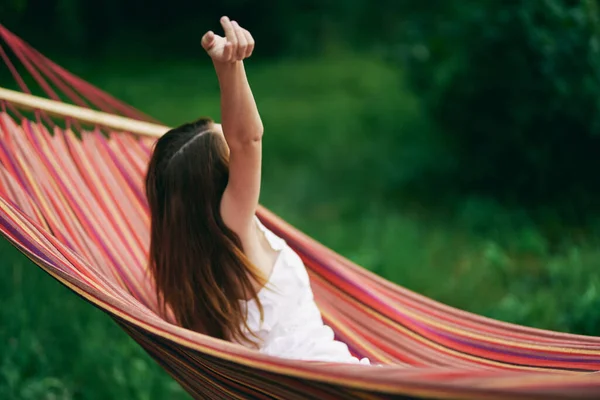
[(72, 200)]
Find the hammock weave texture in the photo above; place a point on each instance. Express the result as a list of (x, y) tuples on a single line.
[(72, 200)]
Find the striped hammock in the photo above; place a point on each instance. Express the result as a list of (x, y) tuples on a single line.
[(72, 200)]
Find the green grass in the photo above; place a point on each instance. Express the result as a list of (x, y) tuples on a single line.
[(56, 346), (342, 137)]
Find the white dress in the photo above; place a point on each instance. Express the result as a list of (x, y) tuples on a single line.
[(292, 326)]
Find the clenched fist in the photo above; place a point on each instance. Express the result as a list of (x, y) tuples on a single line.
[(235, 46)]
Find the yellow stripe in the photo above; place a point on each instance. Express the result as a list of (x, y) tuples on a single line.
[(280, 369), (428, 342)]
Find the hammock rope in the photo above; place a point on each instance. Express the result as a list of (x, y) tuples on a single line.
[(72, 200)]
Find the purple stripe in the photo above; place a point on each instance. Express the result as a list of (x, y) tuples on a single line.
[(91, 230), (16, 236), (20, 178), (117, 162), (512, 352)]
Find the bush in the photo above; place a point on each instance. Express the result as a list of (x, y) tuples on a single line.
[(514, 88)]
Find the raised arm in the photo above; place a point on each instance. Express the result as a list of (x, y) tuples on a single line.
[(241, 123)]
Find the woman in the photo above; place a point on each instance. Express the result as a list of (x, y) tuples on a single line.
[(216, 267)]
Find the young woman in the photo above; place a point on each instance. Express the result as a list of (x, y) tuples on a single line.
[(216, 267)]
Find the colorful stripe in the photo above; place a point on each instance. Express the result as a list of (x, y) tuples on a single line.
[(74, 204)]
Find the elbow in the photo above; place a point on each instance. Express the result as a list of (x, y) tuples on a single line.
[(257, 134), (248, 138), (251, 134)]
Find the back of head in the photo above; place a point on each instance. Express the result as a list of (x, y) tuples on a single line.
[(197, 262)]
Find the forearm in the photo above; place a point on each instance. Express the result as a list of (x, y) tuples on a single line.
[(239, 114)]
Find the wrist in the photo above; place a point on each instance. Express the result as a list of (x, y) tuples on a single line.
[(224, 69), (226, 65)]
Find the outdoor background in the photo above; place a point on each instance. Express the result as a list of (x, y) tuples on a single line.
[(452, 147)]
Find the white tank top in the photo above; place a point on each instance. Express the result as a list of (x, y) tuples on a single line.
[(292, 326)]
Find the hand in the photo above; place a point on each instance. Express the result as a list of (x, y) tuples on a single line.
[(235, 46)]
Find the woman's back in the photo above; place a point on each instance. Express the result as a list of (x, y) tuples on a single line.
[(292, 326)]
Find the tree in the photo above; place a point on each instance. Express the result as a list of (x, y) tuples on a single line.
[(514, 88)]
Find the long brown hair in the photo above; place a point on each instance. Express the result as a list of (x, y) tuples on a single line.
[(198, 263)]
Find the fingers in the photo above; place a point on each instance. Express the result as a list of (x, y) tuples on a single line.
[(228, 52), (242, 42), (229, 32), (250, 41), (208, 40)]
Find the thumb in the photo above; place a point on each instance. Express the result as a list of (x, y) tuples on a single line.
[(208, 40)]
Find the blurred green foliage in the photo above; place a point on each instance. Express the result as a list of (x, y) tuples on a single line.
[(448, 146), (338, 132), (514, 88), (55, 346)]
